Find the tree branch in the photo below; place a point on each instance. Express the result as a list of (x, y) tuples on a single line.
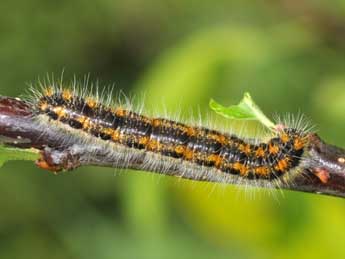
[(324, 173)]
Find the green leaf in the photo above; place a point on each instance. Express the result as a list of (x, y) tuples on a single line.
[(9, 153), (245, 110)]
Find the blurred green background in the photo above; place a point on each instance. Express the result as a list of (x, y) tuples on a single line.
[(290, 55)]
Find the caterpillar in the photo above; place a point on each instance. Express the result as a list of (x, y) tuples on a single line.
[(167, 145)]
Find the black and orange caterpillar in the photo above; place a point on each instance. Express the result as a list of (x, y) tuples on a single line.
[(179, 142)]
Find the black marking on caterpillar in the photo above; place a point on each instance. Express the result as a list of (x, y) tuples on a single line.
[(199, 147)]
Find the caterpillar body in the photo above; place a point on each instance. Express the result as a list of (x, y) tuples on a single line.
[(168, 144)]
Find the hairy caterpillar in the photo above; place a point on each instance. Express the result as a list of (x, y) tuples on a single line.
[(165, 145)]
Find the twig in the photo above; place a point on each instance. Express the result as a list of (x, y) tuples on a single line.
[(324, 174)]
